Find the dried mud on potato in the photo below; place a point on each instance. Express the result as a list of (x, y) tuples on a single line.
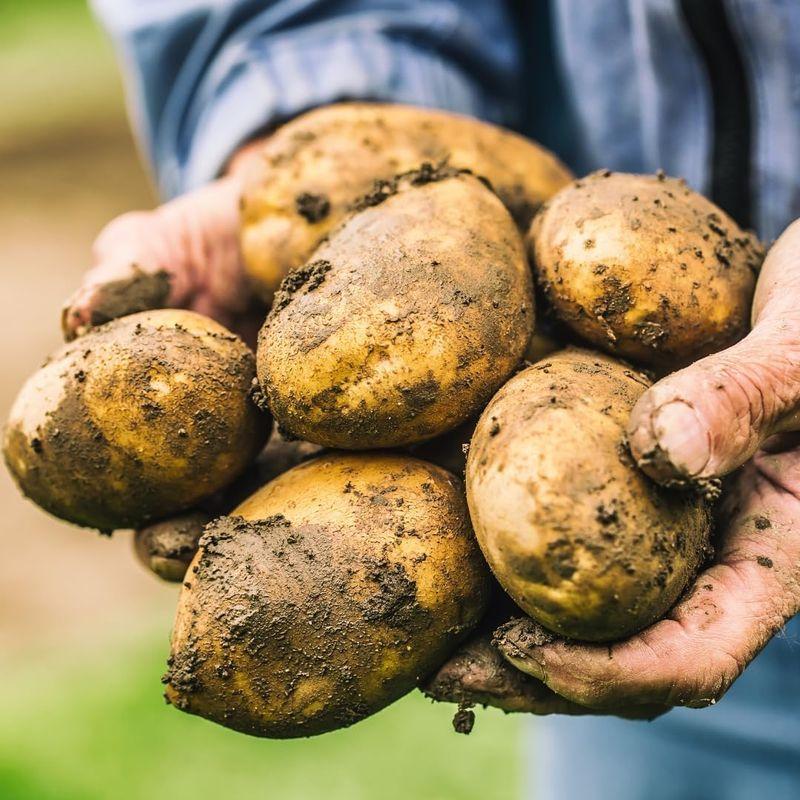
[(577, 535), (327, 595), (642, 266), (316, 166), (405, 322)]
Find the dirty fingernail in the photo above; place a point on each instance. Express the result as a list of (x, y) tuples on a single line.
[(669, 441), (519, 641), (525, 662), (682, 437)]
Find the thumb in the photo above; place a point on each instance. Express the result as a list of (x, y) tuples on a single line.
[(709, 418), (184, 253)]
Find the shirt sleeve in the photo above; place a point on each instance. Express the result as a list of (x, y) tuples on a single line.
[(203, 76)]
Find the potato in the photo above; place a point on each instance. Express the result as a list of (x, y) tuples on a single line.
[(642, 266), (406, 321), (317, 165), (136, 420), (582, 540), (327, 595), (167, 547)]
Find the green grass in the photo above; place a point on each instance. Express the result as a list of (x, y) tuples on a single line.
[(27, 17), (97, 729), (57, 72)]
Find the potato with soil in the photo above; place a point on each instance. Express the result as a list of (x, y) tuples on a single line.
[(405, 322), (139, 419), (582, 540), (316, 166), (642, 266), (167, 547), (327, 595)]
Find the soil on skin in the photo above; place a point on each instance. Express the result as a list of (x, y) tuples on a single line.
[(305, 278), (143, 291)]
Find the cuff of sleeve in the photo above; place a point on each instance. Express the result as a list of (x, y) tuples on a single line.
[(259, 88)]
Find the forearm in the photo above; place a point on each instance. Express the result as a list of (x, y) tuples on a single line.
[(203, 78)]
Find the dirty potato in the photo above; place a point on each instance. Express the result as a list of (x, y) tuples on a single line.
[(406, 320), (327, 595), (167, 547), (140, 418), (642, 266), (580, 538), (316, 166)]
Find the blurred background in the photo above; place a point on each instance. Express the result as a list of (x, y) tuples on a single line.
[(84, 630)]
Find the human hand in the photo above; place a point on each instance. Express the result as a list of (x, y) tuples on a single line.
[(184, 253), (738, 407), (478, 675)]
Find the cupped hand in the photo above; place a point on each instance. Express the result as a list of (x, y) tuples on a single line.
[(735, 410), (478, 675), (183, 254), (735, 607)]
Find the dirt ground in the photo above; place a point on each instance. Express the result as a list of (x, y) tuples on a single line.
[(60, 184)]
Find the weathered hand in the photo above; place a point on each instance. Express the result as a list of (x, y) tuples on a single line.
[(478, 675), (738, 407), (183, 254), (694, 655)]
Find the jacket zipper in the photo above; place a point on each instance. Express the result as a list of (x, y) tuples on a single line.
[(731, 161)]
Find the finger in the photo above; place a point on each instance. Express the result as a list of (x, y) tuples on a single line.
[(137, 265), (116, 293), (478, 675), (692, 657), (708, 419), (184, 254)]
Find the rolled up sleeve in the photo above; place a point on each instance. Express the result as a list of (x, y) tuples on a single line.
[(204, 77)]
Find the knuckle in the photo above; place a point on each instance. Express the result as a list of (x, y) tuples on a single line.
[(740, 387), (769, 380)]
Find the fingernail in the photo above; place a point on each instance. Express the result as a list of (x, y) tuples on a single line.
[(525, 662), (514, 643), (682, 436)]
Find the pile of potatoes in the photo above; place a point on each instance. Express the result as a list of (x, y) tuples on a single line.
[(328, 573)]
